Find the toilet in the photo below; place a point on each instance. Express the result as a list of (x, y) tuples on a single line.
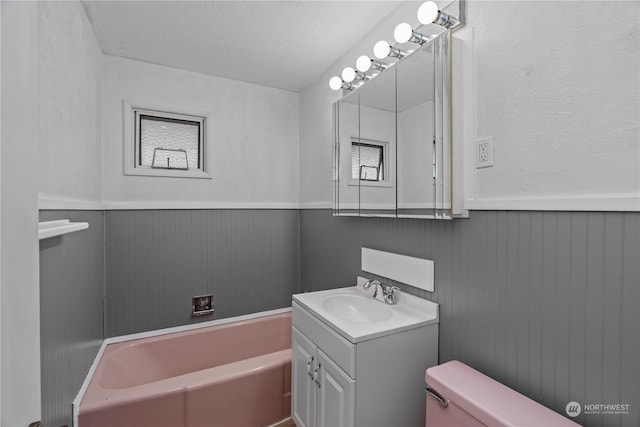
[(458, 395)]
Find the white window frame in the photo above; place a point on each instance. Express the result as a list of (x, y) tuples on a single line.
[(386, 182), (131, 147)]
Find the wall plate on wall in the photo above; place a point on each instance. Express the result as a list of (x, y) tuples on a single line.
[(484, 153), (201, 305)]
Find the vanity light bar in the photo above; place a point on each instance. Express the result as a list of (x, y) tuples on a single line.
[(428, 13)]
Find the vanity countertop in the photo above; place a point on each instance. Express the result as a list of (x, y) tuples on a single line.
[(356, 315)]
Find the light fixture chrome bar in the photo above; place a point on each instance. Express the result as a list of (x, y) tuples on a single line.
[(361, 76), (446, 20), (382, 49), (379, 65), (405, 34), (336, 83), (428, 13), (418, 38), (397, 53), (349, 75), (364, 64)]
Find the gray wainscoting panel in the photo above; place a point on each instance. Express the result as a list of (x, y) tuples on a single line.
[(158, 259), (71, 311), (547, 303)]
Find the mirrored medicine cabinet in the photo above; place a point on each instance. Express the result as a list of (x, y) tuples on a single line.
[(392, 139)]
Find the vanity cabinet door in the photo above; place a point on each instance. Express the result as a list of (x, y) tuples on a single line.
[(303, 393), (336, 394)]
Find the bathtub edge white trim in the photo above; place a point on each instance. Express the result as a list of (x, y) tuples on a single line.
[(279, 423), (185, 328), (75, 406)]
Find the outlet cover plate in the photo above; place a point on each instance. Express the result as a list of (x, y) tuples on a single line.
[(484, 153)]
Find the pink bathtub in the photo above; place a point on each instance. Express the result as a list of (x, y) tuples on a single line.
[(236, 374)]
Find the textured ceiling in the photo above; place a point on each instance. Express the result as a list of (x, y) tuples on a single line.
[(283, 44)]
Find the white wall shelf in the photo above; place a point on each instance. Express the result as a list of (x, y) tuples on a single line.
[(57, 228)]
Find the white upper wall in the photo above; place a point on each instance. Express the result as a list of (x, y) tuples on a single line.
[(69, 106), (561, 103), (253, 156), (556, 88)]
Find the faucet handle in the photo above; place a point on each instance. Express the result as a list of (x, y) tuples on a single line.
[(388, 289), (389, 296)]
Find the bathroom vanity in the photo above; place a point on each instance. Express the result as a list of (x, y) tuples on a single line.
[(357, 361)]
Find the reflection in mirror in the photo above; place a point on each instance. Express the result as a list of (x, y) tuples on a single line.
[(346, 127), (392, 137), (365, 145), (423, 149), (377, 139)]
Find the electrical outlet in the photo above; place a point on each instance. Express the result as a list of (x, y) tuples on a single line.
[(484, 152)]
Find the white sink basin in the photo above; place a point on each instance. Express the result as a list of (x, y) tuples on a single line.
[(356, 308), (357, 316)]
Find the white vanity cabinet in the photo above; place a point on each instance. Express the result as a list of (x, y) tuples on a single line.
[(363, 381), (324, 395)]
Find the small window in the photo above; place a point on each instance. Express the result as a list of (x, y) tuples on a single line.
[(165, 144), (367, 161), (169, 141)]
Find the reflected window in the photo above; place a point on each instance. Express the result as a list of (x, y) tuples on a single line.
[(367, 161)]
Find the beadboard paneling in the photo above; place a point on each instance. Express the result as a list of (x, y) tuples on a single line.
[(545, 302), (71, 311), (158, 259)]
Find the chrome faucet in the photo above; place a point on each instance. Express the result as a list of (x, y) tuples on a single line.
[(387, 291), (370, 283)]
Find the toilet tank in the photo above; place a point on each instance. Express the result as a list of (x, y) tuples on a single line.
[(458, 395)]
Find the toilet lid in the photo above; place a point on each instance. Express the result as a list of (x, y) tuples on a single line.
[(487, 400)]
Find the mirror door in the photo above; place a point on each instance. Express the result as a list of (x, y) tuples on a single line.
[(424, 173), (373, 154), (392, 140)]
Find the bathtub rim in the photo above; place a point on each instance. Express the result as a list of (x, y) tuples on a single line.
[(158, 332)]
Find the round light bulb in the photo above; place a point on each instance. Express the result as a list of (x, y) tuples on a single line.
[(335, 83), (381, 49), (428, 12), (348, 74), (403, 33), (363, 63)]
